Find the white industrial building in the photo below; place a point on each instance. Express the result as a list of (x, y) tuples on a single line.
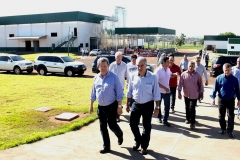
[(218, 44)]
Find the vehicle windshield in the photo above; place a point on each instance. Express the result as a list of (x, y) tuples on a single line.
[(67, 59), (17, 58)]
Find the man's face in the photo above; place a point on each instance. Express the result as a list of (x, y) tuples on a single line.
[(198, 61), (185, 57), (103, 68), (165, 64), (191, 67), (227, 71), (133, 61), (171, 61), (119, 59), (141, 67)]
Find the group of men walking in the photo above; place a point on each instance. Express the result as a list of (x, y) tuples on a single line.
[(144, 88)]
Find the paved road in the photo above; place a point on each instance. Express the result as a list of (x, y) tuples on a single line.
[(176, 142)]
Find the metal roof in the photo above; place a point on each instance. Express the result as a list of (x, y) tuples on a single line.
[(145, 30), (52, 17), (218, 38)]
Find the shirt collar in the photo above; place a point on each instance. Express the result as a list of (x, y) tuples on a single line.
[(146, 74), (104, 76)]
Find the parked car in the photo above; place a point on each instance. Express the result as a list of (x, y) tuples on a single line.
[(95, 52), (111, 58), (49, 63), (219, 61), (15, 63)]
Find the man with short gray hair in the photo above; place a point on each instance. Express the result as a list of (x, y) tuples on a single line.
[(119, 68), (227, 87), (144, 90), (192, 85), (109, 102)]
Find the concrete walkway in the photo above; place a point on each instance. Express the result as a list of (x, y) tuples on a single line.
[(176, 142)]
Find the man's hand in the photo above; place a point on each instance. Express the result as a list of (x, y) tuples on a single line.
[(179, 96), (156, 112), (238, 104), (167, 90), (91, 109), (201, 96), (119, 111), (206, 83), (128, 108), (213, 102)]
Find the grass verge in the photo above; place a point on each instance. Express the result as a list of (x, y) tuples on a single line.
[(21, 94)]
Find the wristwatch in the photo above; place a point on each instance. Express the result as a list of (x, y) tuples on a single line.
[(157, 107)]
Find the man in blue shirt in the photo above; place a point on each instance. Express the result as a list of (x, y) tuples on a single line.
[(144, 90), (227, 87), (108, 91)]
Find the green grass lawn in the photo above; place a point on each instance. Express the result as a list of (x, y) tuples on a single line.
[(21, 94)]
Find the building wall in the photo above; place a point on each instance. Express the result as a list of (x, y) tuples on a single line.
[(219, 44), (236, 47), (85, 30)]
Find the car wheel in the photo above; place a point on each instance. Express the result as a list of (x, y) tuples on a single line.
[(17, 70), (80, 73), (42, 71), (30, 71), (69, 72)]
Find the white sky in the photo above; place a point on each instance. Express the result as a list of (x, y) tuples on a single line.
[(191, 17)]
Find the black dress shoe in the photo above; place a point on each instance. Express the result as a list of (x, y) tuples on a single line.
[(160, 120), (192, 126), (230, 134), (143, 151), (222, 131), (105, 150), (120, 140), (137, 145), (187, 121), (167, 124)]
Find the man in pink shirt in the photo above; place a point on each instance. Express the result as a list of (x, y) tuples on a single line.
[(192, 85)]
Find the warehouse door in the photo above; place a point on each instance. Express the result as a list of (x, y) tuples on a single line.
[(28, 46), (36, 46)]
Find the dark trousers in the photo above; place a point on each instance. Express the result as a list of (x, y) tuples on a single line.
[(223, 106), (107, 116), (145, 110), (206, 65), (173, 96), (190, 107), (166, 98)]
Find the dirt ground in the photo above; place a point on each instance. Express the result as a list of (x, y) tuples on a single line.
[(151, 60)]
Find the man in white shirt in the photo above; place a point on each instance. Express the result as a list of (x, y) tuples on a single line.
[(131, 67), (201, 70), (163, 74), (120, 69)]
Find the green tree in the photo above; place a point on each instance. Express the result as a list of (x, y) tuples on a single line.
[(227, 34), (181, 40), (201, 41), (194, 43)]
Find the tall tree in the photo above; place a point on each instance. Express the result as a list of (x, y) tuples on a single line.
[(227, 34), (201, 41), (181, 40)]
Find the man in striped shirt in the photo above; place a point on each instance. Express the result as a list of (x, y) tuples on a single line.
[(192, 85)]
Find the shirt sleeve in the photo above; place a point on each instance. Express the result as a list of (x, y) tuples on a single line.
[(215, 89), (200, 84), (180, 83), (119, 89), (205, 73), (129, 89), (111, 67), (237, 90), (156, 90), (179, 71), (93, 93)]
